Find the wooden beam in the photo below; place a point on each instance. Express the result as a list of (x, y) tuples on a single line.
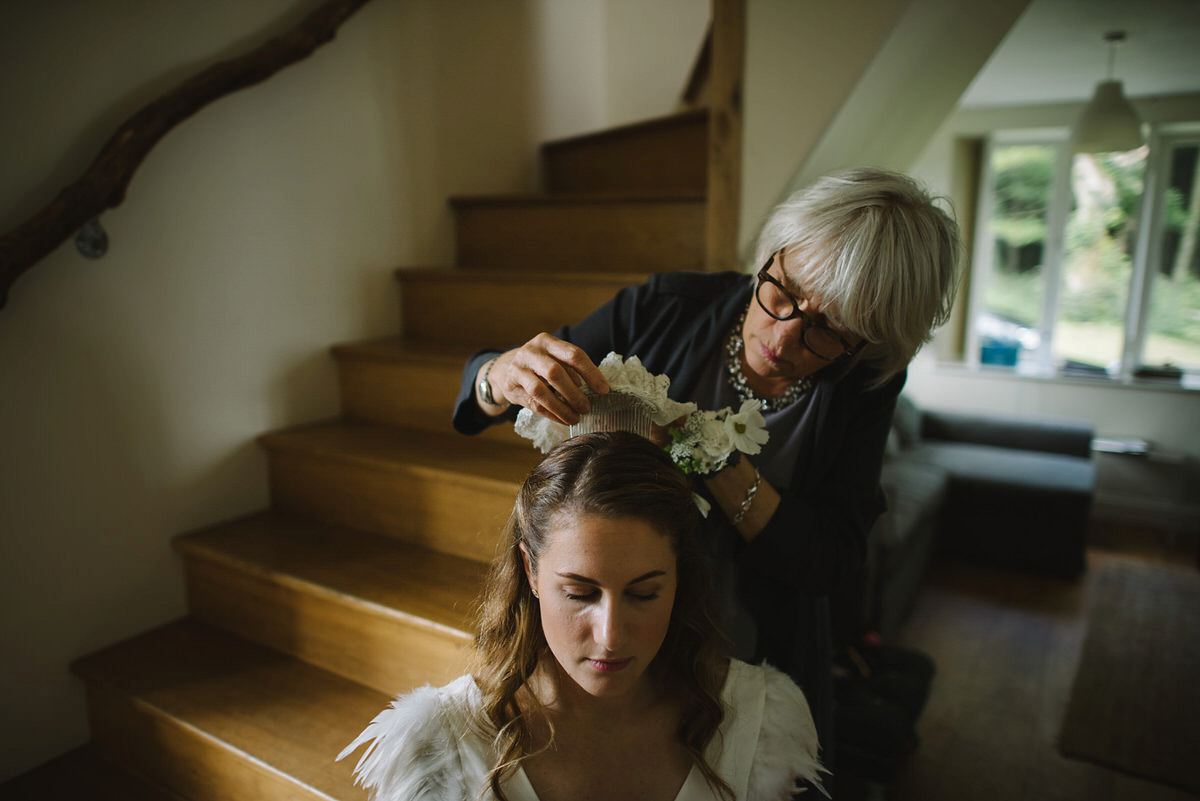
[(103, 184), (725, 134)]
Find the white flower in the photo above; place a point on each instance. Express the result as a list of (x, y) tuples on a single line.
[(715, 442), (747, 429), (701, 444), (544, 432)]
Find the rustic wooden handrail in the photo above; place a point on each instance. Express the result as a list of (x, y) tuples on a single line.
[(102, 185)]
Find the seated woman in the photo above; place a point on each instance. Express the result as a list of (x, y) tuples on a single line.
[(599, 669)]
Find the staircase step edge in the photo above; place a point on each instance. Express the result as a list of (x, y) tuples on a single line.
[(195, 545), (678, 119)]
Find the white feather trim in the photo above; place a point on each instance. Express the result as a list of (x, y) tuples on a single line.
[(413, 752), (787, 743)]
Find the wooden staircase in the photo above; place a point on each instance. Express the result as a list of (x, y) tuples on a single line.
[(359, 581)]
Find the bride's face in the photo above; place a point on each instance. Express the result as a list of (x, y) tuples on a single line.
[(606, 587)]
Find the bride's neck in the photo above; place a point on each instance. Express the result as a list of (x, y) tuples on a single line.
[(563, 699)]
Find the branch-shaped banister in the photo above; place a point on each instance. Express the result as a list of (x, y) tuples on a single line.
[(102, 185)]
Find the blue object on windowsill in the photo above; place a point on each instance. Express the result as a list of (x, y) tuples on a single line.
[(999, 352)]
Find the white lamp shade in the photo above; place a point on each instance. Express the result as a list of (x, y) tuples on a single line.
[(1109, 123)]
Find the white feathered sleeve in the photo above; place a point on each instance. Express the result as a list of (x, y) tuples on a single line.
[(787, 743), (416, 750)]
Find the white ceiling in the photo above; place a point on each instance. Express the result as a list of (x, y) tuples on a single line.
[(1056, 52)]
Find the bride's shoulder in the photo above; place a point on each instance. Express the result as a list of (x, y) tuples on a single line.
[(772, 683), (412, 746), (786, 746)]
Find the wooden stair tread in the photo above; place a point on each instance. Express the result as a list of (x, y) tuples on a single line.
[(398, 350), (597, 233), (458, 457), (82, 773), (521, 299), (379, 381), (562, 200), (395, 579), (683, 118), (276, 711), (470, 275), (655, 158)]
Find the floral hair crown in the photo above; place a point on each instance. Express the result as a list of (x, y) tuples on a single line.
[(637, 400)]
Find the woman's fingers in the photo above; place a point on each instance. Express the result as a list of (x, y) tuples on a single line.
[(577, 363), (545, 375)]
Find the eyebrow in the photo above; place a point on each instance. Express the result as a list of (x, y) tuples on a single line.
[(833, 324), (792, 286), (594, 583)]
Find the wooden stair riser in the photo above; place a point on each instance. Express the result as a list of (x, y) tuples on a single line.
[(452, 514), (406, 393), (182, 758), (375, 649), (497, 311), (665, 157), (83, 773), (598, 236), (212, 716)]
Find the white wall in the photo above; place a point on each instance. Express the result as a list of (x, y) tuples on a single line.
[(801, 68), (651, 48), (256, 234), (834, 85)]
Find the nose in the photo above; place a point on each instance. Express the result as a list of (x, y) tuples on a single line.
[(793, 329), (609, 628)]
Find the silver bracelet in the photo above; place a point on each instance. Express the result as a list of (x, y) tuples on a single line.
[(749, 499), (485, 386)]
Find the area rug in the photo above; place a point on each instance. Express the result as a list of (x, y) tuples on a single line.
[(1135, 703)]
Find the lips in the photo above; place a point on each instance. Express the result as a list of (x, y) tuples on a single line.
[(773, 358), (610, 665)]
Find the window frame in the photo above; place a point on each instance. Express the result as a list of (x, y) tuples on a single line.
[(1162, 138)]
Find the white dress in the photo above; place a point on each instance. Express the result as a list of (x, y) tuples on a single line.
[(424, 747)]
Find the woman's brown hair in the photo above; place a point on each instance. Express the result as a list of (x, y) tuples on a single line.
[(615, 475)]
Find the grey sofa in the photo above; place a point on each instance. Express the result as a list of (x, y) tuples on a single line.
[(1009, 491)]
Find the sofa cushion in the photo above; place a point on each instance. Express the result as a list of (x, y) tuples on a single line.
[(1019, 509), (914, 491), (906, 422), (1031, 471), (1051, 435)]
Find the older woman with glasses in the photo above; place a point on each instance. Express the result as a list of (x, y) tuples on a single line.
[(857, 271)]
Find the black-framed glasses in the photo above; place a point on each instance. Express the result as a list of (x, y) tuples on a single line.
[(779, 303)]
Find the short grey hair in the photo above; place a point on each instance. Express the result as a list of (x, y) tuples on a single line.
[(877, 252)]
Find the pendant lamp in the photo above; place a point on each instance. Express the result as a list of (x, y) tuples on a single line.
[(1110, 122)]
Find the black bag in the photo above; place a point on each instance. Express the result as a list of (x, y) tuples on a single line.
[(879, 693)]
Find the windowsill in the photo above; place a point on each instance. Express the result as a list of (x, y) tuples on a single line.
[(1188, 383)]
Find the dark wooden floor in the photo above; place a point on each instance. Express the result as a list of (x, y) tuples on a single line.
[(1006, 646)]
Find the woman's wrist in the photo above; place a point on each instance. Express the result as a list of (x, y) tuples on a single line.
[(487, 394), (747, 500)]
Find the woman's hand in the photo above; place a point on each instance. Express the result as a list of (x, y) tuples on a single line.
[(545, 375)]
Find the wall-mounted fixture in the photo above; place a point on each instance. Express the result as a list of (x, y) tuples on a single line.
[(1110, 122)]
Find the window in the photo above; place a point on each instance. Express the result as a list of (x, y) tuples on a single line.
[(1088, 264)]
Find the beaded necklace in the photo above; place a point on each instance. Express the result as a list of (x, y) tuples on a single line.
[(737, 379)]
